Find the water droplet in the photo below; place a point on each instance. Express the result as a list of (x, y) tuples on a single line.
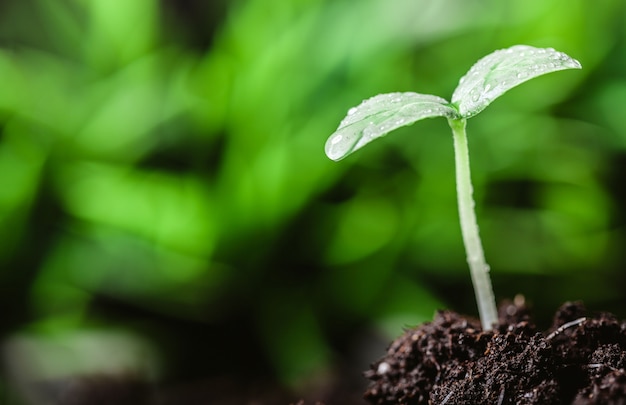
[(487, 87), (352, 110), (336, 140), (474, 94), (521, 75)]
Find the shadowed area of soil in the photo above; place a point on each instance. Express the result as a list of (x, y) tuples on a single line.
[(580, 360)]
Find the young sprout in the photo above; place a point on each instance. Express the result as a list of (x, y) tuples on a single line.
[(488, 79)]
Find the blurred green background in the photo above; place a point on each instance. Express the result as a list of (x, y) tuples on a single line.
[(163, 180)]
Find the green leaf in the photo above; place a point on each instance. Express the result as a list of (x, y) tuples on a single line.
[(381, 114), (502, 70)]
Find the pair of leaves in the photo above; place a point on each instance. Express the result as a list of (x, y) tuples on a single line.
[(488, 79)]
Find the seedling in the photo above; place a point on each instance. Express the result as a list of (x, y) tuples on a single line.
[(488, 79)]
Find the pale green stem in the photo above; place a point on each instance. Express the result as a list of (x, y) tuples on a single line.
[(479, 268)]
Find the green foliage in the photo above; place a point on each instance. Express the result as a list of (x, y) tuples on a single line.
[(487, 80), (502, 70), (380, 115)]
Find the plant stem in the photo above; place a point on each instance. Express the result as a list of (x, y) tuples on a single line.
[(479, 268)]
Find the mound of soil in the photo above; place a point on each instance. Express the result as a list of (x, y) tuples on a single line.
[(580, 360)]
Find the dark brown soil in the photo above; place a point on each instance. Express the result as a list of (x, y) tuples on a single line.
[(580, 360)]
